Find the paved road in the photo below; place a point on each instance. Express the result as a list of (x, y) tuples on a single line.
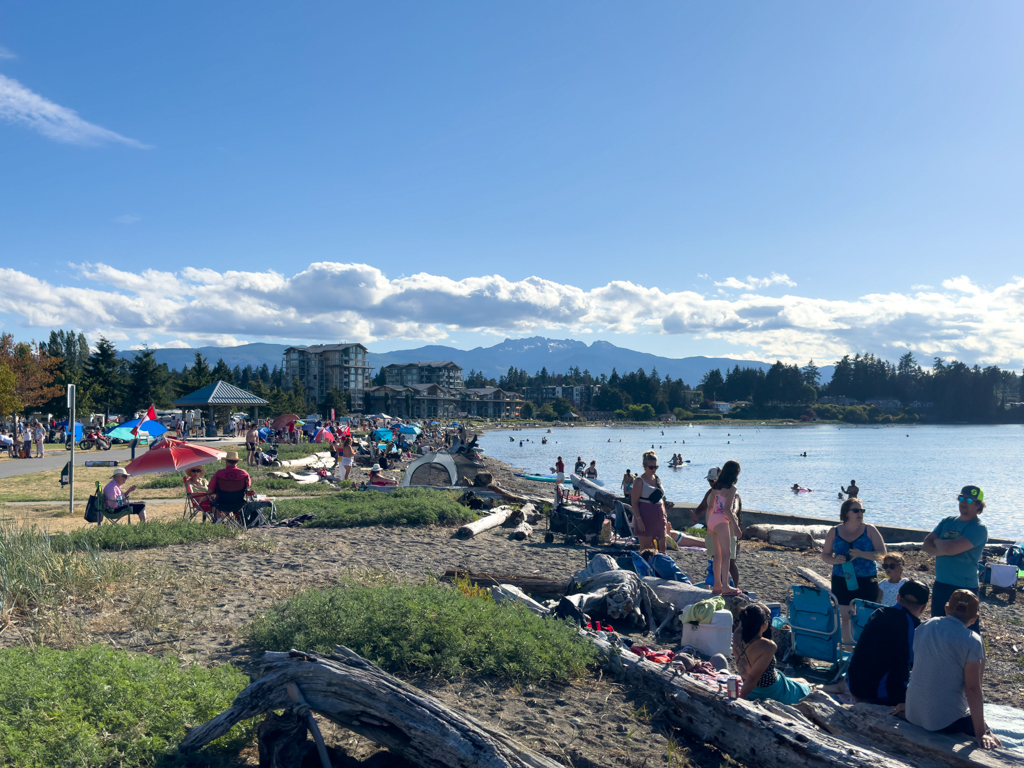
[(56, 458)]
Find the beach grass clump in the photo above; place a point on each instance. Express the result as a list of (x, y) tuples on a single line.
[(406, 506), (426, 629), (142, 536), (35, 574), (97, 706)]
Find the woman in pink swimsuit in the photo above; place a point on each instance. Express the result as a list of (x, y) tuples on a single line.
[(722, 523)]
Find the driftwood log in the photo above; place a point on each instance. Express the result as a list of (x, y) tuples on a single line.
[(815, 578), (594, 491), (542, 589), (521, 532), (795, 536), (517, 498), (871, 724), (493, 520), (350, 691)]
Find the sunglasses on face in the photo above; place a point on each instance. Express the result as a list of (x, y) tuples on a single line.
[(890, 566), (965, 499), (652, 466), (856, 511)]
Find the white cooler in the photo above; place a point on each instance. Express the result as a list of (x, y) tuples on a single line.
[(1003, 575), (712, 638)]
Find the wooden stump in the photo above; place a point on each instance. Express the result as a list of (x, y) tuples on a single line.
[(493, 520), (521, 532)]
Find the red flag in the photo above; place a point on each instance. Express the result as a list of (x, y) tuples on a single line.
[(150, 416)]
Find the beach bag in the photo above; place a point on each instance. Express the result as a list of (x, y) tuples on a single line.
[(92, 510), (1015, 556)]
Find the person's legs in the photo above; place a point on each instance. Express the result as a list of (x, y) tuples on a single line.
[(720, 567), (941, 592), (139, 508), (964, 725)]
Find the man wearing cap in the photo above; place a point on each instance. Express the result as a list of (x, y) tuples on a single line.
[(957, 543), (700, 517), (945, 690), (880, 667), (117, 496)]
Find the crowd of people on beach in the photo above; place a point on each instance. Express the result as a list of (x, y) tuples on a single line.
[(929, 670)]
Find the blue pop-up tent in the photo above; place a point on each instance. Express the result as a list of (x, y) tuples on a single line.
[(383, 434), (409, 429), (78, 428), (124, 431)]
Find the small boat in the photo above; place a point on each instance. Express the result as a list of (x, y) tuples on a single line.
[(538, 478)]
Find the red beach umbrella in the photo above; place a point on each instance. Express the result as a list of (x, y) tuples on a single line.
[(283, 420), (173, 456)]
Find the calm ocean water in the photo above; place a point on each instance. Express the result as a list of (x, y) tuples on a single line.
[(907, 475)]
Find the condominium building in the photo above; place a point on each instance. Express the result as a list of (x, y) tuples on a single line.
[(323, 367), (444, 373)]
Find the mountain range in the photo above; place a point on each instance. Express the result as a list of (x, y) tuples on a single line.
[(531, 354)]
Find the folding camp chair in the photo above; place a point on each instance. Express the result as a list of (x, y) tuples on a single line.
[(817, 631), (198, 503), (227, 506), (860, 612)]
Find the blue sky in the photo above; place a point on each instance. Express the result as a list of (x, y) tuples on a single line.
[(771, 180)]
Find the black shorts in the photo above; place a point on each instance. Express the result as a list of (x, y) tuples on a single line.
[(867, 589), (251, 446)]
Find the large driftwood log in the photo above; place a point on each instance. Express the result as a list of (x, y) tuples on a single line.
[(594, 491), (493, 520), (795, 536), (361, 697), (871, 724), (815, 578), (306, 461), (543, 589), (517, 498), (755, 734)]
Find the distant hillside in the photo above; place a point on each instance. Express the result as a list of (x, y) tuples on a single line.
[(557, 355)]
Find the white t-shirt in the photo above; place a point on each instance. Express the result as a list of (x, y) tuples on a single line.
[(890, 590)]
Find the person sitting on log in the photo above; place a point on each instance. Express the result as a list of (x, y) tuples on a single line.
[(945, 692), (376, 478), (880, 668), (755, 659)]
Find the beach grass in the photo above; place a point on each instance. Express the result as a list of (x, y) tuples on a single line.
[(96, 707), (35, 574), (143, 536), (405, 506), (426, 629)]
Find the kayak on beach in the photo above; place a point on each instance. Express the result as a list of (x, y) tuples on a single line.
[(537, 478)]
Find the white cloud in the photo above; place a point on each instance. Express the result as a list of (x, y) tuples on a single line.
[(330, 301), (127, 218), (753, 283), (7, 53), (21, 106)]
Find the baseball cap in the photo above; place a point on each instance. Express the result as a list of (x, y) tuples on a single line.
[(713, 473), (964, 605), (973, 492), (915, 592)]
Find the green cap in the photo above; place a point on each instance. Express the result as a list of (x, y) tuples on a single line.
[(973, 492)]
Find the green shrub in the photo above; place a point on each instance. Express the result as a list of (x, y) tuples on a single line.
[(406, 506), (142, 536), (426, 629), (97, 706), (34, 573)]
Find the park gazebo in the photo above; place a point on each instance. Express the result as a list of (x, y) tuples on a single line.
[(219, 393)]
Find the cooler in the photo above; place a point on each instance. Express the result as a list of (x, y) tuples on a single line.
[(712, 638)]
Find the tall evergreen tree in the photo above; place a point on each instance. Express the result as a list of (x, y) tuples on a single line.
[(105, 372), (147, 382)]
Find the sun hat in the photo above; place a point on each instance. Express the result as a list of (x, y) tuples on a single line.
[(713, 473), (964, 605), (375, 468), (232, 456), (973, 492), (121, 471)]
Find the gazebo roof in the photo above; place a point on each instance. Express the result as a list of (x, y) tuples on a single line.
[(221, 393)]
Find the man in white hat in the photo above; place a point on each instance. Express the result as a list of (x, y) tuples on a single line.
[(376, 478), (700, 515), (117, 496)]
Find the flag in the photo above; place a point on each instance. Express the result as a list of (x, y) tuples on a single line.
[(150, 416)]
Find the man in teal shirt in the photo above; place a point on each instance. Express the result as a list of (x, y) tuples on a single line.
[(957, 544)]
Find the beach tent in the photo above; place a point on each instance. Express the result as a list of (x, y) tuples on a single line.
[(383, 434), (124, 432), (409, 429), (435, 470), (78, 428)]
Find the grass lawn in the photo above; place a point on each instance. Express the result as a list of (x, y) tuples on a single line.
[(97, 707), (428, 628), (407, 506), (152, 534)]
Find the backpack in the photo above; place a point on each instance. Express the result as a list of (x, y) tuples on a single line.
[(1015, 556), (92, 510)]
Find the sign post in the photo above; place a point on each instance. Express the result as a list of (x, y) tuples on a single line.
[(71, 464)]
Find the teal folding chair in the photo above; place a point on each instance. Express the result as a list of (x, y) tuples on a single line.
[(860, 612), (817, 631)]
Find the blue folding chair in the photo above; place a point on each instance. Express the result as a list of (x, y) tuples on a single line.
[(817, 631), (860, 612)]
